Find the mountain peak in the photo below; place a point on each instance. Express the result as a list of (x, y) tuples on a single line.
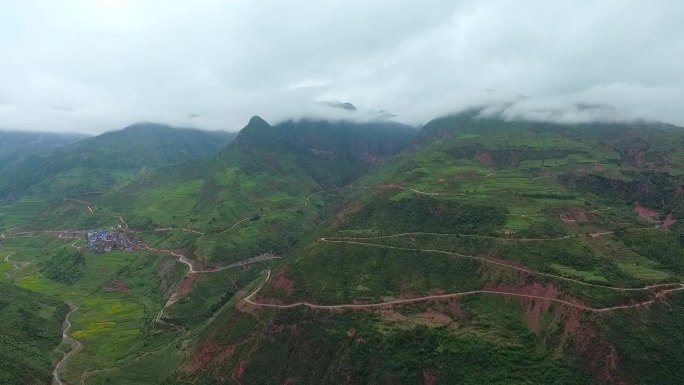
[(257, 121), (257, 130)]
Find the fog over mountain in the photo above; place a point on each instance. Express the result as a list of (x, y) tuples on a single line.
[(91, 66)]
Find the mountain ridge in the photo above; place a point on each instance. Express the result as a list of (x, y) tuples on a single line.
[(99, 158)]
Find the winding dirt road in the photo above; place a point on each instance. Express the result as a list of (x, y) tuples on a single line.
[(189, 230), (506, 265), (249, 300), (191, 268), (66, 338), (491, 237), (191, 271)]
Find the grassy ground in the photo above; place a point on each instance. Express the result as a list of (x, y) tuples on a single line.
[(117, 296), (31, 330)]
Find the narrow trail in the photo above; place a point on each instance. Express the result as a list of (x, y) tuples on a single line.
[(82, 202), (65, 234), (15, 265), (593, 235), (306, 203), (191, 268), (396, 186), (7, 260), (192, 271), (164, 229), (506, 265), (249, 300), (66, 338)]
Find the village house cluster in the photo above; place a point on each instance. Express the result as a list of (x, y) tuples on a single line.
[(104, 241)]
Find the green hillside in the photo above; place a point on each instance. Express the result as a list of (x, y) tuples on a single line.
[(16, 146), (31, 329), (97, 163), (478, 250), (259, 194), (488, 207)]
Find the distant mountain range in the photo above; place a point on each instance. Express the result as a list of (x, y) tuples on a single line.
[(97, 163), (16, 146)]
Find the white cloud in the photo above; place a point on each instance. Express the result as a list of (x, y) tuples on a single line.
[(95, 65)]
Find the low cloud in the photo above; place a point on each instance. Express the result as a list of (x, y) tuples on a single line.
[(96, 65)]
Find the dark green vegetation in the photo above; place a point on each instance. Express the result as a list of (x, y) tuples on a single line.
[(263, 179), (659, 334), (15, 146), (95, 164), (392, 347), (31, 328), (665, 248), (428, 214), (65, 266), (563, 243)]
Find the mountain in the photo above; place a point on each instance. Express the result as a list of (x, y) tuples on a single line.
[(95, 164), (329, 150), (545, 225), (15, 146), (476, 250), (266, 169)]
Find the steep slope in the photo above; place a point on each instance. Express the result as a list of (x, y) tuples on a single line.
[(476, 254), (95, 164), (31, 329), (332, 152), (260, 192)]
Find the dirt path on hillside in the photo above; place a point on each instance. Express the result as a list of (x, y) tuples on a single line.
[(400, 187), (192, 271), (240, 221), (189, 230), (82, 202), (249, 300), (7, 260), (407, 234), (502, 264), (66, 338), (191, 268), (15, 265), (306, 203)]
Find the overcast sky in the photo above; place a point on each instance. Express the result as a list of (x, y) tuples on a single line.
[(96, 65)]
